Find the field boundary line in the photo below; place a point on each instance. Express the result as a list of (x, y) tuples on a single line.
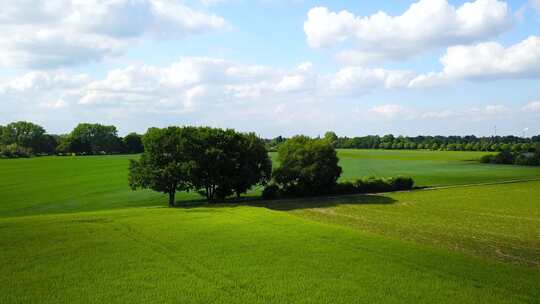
[(513, 181)]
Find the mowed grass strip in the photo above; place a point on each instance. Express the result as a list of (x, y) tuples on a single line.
[(499, 222), (235, 255), (71, 184)]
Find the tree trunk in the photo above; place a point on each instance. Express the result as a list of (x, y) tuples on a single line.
[(171, 198)]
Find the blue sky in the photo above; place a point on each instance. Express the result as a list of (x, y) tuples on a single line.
[(277, 67)]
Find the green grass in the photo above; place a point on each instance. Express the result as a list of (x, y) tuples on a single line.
[(430, 168), (72, 184), (235, 255), (498, 222), (71, 231)]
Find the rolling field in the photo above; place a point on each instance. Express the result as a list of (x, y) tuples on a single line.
[(72, 184), (71, 231), (440, 168)]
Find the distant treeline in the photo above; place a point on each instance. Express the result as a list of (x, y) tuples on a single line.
[(443, 143), (24, 139)]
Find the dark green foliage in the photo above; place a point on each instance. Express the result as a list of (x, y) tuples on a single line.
[(399, 183), (358, 186), (14, 151), (93, 139), (506, 157), (271, 191), (331, 138), (376, 185), (307, 167), (345, 188), (166, 163), (253, 167), (436, 143), (372, 185), (214, 162), (22, 138), (133, 143), (486, 159)]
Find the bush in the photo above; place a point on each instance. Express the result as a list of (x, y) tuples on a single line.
[(271, 191), (345, 188), (486, 159), (527, 160), (375, 185), (401, 183), (372, 185), (14, 151)]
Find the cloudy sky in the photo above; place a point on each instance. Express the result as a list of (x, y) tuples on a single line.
[(277, 67)]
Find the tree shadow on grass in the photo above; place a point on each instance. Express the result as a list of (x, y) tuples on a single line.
[(290, 204), (329, 201)]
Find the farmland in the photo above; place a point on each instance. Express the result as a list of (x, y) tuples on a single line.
[(72, 231)]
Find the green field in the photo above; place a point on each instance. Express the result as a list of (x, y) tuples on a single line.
[(71, 231), (72, 184), (430, 168)]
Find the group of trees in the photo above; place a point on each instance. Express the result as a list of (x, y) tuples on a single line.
[(309, 167), (213, 162), (24, 139), (95, 139), (509, 157), (445, 143)]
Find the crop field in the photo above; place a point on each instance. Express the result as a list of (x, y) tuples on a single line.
[(430, 168), (71, 231)]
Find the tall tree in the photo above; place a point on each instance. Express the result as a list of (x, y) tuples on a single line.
[(331, 137), (94, 139), (166, 162), (24, 134), (133, 143), (307, 166)]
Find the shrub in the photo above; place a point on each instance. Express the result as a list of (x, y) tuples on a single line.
[(345, 188), (527, 160), (271, 191), (486, 159), (14, 151), (375, 184), (401, 183), (372, 185)]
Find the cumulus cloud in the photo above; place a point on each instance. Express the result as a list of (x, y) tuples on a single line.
[(45, 34), (489, 60), (399, 112), (426, 24), (535, 4), (196, 84), (533, 106)]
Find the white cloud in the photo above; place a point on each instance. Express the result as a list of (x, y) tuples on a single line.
[(195, 84), (426, 24), (399, 112), (488, 60), (45, 34), (535, 4), (533, 106), (392, 111)]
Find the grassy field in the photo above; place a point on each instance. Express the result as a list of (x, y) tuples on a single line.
[(72, 184), (235, 255), (71, 231), (499, 222), (430, 168)]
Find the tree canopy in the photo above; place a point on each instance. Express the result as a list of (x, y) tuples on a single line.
[(307, 166), (214, 162), (23, 135)]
